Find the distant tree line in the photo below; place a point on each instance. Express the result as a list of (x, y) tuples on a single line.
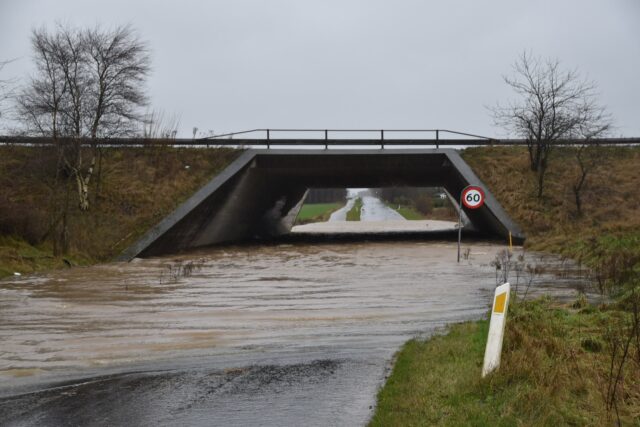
[(422, 199), (326, 195)]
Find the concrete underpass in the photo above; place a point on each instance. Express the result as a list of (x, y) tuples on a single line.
[(260, 194)]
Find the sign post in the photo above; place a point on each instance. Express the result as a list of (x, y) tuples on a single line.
[(496, 329), (472, 197)]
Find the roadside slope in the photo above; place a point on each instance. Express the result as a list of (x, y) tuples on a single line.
[(133, 190), (562, 364), (610, 204)]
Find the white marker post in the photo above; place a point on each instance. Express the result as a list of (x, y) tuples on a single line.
[(472, 197), (496, 329)]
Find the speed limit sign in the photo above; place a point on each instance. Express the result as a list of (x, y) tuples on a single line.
[(472, 197)]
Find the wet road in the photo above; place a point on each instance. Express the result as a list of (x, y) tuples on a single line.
[(341, 214), (265, 335), (373, 209)]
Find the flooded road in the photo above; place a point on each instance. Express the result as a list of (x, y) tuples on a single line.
[(341, 214), (375, 218), (373, 209), (251, 335)]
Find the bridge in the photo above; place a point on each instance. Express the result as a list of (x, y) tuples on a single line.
[(260, 194)]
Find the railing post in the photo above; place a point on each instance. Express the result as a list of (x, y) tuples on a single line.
[(437, 138), (326, 137), (382, 138), (268, 138)]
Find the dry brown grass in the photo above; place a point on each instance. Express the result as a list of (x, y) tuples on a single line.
[(138, 186), (610, 201)]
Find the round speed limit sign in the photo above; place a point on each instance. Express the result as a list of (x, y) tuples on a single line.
[(472, 197)]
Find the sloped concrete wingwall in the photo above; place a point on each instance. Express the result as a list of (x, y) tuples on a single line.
[(260, 194)]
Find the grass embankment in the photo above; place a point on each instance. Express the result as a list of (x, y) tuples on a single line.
[(560, 365), (18, 256), (412, 214), (554, 372), (355, 211), (316, 212), (610, 206), (135, 188), (407, 212)]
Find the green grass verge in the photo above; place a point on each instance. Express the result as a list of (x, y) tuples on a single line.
[(316, 212), (18, 256), (553, 372), (407, 212), (431, 380), (355, 211)]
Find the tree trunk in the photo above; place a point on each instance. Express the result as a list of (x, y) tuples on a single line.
[(83, 185), (64, 233), (540, 183), (578, 199), (98, 186), (577, 190), (542, 169), (532, 162)]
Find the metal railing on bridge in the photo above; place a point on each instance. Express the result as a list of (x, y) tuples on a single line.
[(345, 137), (399, 138)]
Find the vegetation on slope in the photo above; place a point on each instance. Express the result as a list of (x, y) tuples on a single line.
[(316, 212), (561, 365), (610, 205), (417, 203), (136, 188), (554, 371), (408, 212)]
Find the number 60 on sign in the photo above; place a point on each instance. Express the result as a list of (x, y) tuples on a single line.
[(472, 197)]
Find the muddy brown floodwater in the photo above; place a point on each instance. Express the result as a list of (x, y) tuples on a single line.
[(285, 334)]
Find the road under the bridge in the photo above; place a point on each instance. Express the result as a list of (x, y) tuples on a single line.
[(259, 195)]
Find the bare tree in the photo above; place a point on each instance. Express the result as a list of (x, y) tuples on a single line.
[(5, 88), (589, 155), (118, 66), (553, 105), (87, 84)]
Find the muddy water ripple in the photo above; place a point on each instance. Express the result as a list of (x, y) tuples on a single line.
[(278, 334)]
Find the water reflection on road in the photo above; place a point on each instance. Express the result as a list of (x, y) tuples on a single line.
[(272, 335), (373, 209)]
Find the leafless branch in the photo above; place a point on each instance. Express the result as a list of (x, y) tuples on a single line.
[(552, 104)]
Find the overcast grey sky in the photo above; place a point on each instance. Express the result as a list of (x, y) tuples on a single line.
[(240, 64)]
